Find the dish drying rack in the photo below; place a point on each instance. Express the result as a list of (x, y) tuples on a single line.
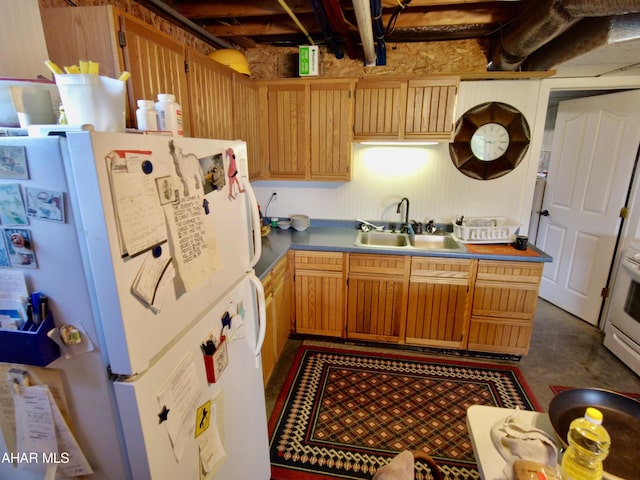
[(486, 230)]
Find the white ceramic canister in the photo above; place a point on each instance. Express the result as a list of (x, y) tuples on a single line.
[(146, 116), (169, 114)]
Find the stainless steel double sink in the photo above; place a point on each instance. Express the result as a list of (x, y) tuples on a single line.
[(406, 241)]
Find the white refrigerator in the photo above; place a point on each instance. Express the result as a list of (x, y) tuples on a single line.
[(150, 254)]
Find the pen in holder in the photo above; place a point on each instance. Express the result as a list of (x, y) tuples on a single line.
[(215, 359)]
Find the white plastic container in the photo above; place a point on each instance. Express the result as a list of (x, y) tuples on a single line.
[(95, 100), (146, 116), (169, 114)]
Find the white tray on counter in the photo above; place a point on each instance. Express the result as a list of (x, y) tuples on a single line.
[(486, 230)]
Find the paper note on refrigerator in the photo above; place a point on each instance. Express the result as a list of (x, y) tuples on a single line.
[(42, 431), (192, 240), (177, 401), (135, 199)]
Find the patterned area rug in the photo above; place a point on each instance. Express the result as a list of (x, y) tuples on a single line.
[(343, 414)]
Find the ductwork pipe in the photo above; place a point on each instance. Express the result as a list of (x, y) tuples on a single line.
[(584, 36), (544, 20), (362, 9)]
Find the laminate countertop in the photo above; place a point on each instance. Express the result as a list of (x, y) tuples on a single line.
[(339, 236)]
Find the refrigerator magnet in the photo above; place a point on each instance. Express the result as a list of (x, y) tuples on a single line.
[(20, 248), (45, 204), (13, 163), (12, 211)]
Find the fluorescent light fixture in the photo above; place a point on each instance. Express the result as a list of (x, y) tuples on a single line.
[(392, 143)]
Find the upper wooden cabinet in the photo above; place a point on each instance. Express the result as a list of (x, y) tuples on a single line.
[(249, 114), (405, 109), (288, 131), (210, 87), (331, 117), (310, 132)]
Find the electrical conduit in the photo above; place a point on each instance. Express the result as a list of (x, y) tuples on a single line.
[(297, 22)]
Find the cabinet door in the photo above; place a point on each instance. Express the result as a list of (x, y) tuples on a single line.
[(247, 118), (210, 97), (377, 297), (268, 351), (331, 130), (504, 305), (320, 293), (157, 65), (282, 298), (379, 109), (288, 131), (430, 108), (438, 311)]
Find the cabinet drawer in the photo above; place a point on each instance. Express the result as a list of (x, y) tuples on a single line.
[(445, 268), (509, 272), (505, 300), (322, 261), (378, 264), (499, 335)]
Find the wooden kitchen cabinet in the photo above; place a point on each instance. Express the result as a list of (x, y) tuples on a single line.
[(405, 109), (320, 279), (278, 291), (210, 86), (378, 109), (310, 132), (288, 131), (250, 118), (331, 117), (431, 108), (504, 305), (377, 297), (440, 292)]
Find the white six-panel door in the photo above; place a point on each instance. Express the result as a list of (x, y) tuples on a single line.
[(594, 148)]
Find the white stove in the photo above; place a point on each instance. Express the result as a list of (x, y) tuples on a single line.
[(622, 330)]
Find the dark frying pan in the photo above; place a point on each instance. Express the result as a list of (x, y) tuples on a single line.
[(621, 419)]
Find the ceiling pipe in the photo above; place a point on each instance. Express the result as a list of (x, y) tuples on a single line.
[(585, 36), (293, 16), (182, 21), (362, 9), (544, 20)]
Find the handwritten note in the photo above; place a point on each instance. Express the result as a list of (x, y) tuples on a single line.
[(148, 278), (192, 240), (135, 197), (179, 396)]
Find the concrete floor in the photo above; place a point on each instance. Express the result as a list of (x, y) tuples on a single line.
[(564, 351)]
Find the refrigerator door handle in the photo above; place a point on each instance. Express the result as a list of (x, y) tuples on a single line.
[(262, 314), (255, 221)]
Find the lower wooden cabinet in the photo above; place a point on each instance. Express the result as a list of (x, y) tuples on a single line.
[(504, 306), (377, 297), (278, 292), (320, 292), (457, 303), (440, 292)]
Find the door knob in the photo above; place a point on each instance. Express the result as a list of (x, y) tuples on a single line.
[(544, 213)]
